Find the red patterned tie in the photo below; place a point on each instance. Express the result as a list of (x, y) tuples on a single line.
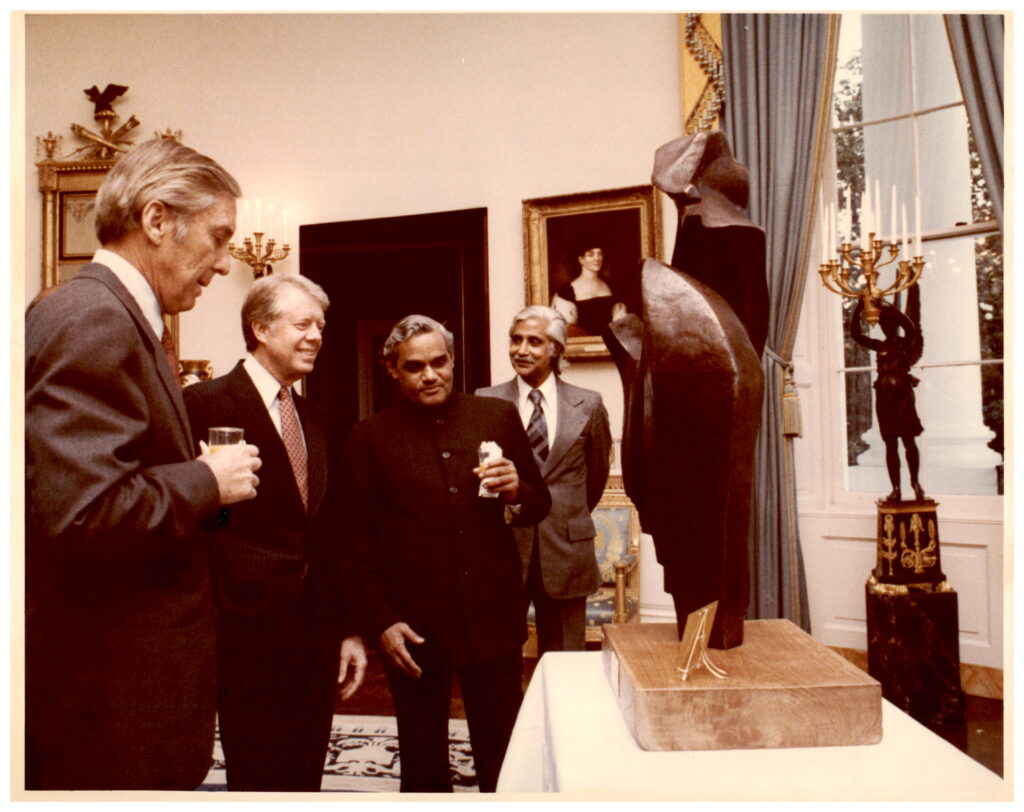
[(292, 436), (172, 357)]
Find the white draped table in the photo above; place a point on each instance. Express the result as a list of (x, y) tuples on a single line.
[(571, 738)]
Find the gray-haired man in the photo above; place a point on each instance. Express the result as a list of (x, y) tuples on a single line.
[(119, 652)]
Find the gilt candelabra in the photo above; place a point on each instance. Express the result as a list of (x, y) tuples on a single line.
[(837, 270), (258, 256)]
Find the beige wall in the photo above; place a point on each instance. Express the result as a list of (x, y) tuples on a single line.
[(345, 116)]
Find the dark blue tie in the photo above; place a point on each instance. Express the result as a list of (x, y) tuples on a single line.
[(537, 431)]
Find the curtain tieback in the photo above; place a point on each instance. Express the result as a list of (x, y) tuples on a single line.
[(792, 424)]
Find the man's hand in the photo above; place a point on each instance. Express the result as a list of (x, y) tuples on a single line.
[(392, 642), (235, 469), (500, 476), (353, 653)]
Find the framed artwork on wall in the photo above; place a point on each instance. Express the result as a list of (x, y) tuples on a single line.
[(69, 197), (583, 256), (69, 236)]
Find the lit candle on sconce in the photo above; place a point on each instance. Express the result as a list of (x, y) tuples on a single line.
[(263, 227)]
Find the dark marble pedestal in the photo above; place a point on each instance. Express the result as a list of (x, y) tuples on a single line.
[(914, 651)]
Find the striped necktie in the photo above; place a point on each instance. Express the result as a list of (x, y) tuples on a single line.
[(167, 340), (292, 436), (537, 431)]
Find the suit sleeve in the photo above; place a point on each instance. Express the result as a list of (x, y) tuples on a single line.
[(533, 493), (88, 424), (599, 445)]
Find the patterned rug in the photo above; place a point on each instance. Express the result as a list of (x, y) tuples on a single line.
[(363, 757)]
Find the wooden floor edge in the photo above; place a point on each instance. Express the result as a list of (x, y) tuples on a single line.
[(977, 680)]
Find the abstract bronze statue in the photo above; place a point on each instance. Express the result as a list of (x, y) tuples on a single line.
[(894, 386), (693, 384), (716, 243)]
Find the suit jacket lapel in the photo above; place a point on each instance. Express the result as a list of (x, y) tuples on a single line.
[(571, 421), (170, 381)]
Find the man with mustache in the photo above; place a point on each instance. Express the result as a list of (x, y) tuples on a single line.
[(571, 438)]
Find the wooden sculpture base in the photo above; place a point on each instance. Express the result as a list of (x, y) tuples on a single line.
[(784, 690)]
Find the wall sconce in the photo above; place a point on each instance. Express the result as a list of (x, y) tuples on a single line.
[(257, 253)]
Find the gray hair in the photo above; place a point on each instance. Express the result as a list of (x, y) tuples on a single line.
[(557, 329), (410, 327), (261, 305), (159, 170)]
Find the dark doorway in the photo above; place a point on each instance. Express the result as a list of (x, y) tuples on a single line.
[(377, 271)]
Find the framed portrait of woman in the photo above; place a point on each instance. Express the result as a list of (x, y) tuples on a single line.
[(583, 256)]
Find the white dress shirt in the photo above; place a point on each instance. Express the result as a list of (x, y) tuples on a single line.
[(269, 389), (548, 400), (138, 287)]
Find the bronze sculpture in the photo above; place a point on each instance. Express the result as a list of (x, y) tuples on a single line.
[(894, 387), (693, 384)]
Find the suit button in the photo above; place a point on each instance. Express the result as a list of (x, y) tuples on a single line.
[(446, 454), (453, 489), (440, 421)]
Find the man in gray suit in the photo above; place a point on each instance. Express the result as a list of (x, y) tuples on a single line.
[(119, 637), (568, 429)]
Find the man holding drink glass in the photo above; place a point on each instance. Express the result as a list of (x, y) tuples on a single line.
[(119, 649), (287, 612)]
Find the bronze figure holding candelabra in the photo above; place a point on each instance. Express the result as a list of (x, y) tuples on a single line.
[(911, 609)]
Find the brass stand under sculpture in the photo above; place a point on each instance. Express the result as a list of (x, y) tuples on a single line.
[(693, 648), (693, 383)]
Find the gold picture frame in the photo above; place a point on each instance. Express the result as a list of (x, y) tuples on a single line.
[(69, 191), (68, 188), (624, 223)]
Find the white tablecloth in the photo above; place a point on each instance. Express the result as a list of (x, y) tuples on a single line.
[(571, 738)]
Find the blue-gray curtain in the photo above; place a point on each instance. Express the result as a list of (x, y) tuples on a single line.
[(779, 70), (977, 44)]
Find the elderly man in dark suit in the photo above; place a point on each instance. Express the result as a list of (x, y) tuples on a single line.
[(438, 561), (119, 650), (568, 428), (285, 600)]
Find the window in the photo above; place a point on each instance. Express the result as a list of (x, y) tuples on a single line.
[(899, 119)]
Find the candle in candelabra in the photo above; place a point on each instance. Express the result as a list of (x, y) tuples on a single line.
[(272, 230), (892, 215), (865, 215), (877, 209), (831, 230), (917, 226), (286, 229), (904, 246), (822, 225)]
